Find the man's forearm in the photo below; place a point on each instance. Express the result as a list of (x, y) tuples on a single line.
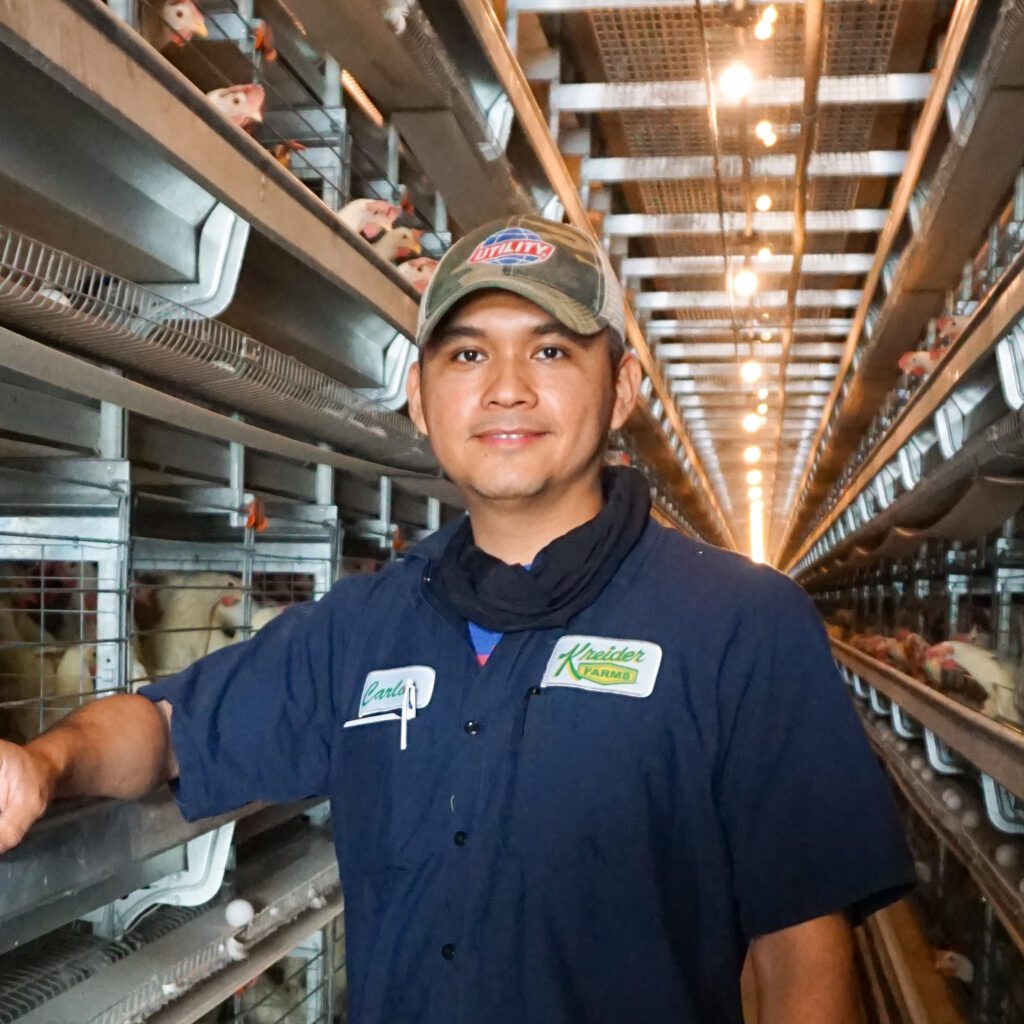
[(115, 746), (805, 975)]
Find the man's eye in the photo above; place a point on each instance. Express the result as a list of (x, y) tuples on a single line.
[(551, 352), (468, 355)]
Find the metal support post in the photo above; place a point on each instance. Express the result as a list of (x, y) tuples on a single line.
[(127, 11), (433, 514), (387, 539), (956, 587)]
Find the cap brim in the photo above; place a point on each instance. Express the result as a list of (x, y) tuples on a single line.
[(568, 312)]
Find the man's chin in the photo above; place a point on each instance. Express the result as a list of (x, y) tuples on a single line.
[(508, 489)]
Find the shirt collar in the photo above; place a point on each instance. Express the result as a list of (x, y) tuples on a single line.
[(431, 548)]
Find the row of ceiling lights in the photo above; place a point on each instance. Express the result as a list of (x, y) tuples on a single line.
[(745, 284), (735, 83)]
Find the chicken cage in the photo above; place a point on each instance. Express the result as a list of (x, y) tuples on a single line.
[(63, 573), (972, 947), (307, 986), (165, 965), (191, 596)]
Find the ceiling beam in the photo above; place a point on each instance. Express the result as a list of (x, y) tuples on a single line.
[(679, 266), (844, 297), (778, 222), (837, 327), (726, 350), (848, 90), (826, 371), (580, 6), (872, 164), (806, 386)]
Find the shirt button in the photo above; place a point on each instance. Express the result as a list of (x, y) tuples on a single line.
[(448, 951), (535, 691), (460, 838), (472, 728)]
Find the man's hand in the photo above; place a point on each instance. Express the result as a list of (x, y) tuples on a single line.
[(805, 974), (27, 784), (119, 747)]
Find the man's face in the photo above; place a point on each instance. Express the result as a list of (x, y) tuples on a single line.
[(515, 405)]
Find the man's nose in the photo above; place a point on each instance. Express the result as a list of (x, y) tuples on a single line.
[(509, 384)]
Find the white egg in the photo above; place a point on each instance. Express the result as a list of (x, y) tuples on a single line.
[(1007, 855), (238, 913)]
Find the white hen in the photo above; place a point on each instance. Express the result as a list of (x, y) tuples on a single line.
[(190, 607)]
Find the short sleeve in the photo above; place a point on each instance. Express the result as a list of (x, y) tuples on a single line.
[(808, 811), (255, 721)]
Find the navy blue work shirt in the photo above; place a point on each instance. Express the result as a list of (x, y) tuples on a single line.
[(553, 846)]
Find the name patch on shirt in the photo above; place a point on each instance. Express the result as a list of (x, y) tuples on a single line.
[(384, 689), (604, 665)]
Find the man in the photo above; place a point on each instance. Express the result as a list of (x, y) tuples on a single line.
[(578, 763)]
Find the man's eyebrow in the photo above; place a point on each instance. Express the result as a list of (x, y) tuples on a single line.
[(454, 331), (558, 328)]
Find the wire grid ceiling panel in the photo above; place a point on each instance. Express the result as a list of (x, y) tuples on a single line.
[(664, 44)]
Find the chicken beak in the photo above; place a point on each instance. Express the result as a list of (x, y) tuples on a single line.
[(199, 29)]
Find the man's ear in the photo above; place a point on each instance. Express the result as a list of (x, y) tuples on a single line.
[(627, 388), (412, 391)]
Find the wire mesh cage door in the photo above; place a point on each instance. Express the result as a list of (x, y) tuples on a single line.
[(189, 598), (63, 626)]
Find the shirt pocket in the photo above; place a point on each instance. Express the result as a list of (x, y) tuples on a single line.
[(581, 776), (383, 796)]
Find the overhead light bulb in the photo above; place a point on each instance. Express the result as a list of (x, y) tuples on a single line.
[(752, 454), (762, 393), (763, 202), (762, 409), (763, 128), (755, 494), (763, 30), (767, 335), (750, 371), (765, 252), (751, 423), (744, 283), (736, 81), (770, 139), (754, 476), (770, 14)]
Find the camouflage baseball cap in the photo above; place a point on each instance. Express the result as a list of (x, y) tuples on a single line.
[(558, 267)]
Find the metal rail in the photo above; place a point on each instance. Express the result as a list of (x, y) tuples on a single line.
[(76, 859), (871, 90), (992, 748), (82, 378), (996, 313), (491, 35), (974, 850)]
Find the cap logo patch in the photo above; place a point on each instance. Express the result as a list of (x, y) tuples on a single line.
[(512, 247)]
